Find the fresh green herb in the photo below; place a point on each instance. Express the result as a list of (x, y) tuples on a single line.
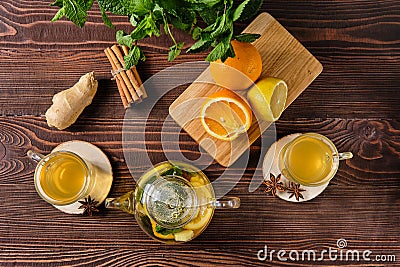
[(246, 37), (175, 170), (164, 231), (147, 16), (247, 9), (175, 51)]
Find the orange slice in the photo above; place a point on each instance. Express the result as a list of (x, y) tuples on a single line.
[(226, 115)]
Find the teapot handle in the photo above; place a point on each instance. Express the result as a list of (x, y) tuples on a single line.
[(226, 203)]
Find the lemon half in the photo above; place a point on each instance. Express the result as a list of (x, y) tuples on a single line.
[(268, 98)]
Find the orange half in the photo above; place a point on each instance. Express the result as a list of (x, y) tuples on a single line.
[(225, 115)]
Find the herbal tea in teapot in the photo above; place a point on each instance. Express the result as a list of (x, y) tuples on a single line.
[(173, 202)]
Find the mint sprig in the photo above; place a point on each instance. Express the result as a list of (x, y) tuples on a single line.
[(147, 17)]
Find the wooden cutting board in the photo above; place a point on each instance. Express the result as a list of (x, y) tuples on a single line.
[(283, 57)]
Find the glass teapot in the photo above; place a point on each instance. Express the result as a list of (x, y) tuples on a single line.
[(173, 202)]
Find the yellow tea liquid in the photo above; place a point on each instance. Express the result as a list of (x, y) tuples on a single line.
[(308, 160), (63, 176)]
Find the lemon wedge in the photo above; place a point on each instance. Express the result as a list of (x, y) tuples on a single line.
[(204, 213), (268, 98), (197, 179), (184, 236), (201, 220)]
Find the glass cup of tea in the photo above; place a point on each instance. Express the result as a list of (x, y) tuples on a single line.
[(310, 159), (62, 177)]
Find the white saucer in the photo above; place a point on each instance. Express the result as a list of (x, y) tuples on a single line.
[(270, 165), (103, 176)]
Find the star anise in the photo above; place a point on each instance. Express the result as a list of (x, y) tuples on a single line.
[(273, 184), (294, 190), (89, 206)]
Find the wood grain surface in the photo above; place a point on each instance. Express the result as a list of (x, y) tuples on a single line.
[(355, 102)]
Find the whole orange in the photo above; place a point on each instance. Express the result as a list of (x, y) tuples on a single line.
[(240, 72)]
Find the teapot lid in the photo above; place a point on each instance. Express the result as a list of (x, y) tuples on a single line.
[(170, 201)]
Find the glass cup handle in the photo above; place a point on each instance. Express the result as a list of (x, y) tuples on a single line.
[(36, 156), (226, 203), (345, 155)]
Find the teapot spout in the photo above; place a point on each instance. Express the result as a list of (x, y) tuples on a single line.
[(125, 203)]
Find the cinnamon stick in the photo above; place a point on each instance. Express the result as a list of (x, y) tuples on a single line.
[(122, 94), (129, 84), (123, 75), (136, 75), (123, 90), (129, 73)]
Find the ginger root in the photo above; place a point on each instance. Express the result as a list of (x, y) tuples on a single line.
[(69, 104)]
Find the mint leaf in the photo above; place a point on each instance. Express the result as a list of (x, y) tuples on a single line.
[(178, 14), (137, 7), (175, 51), (175, 170), (113, 6), (229, 53), (158, 12), (199, 46), (208, 15), (146, 28), (247, 9), (228, 3), (60, 13), (216, 53), (247, 37), (179, 24), (89, 4), (133, 20), (213, 26), (124, 39), (222, 27), (209, 3), (239, 10), (76, 11), (185, 20), (164, 231), (196, 33), (132, 59), (105, 18), (226, 40), (58, 3)]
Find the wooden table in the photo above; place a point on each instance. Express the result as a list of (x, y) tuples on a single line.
[(355, 102)]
